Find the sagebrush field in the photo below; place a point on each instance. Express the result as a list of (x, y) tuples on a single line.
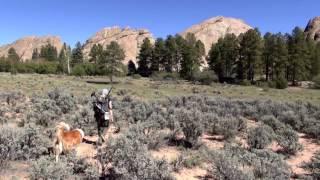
[(169, 130)]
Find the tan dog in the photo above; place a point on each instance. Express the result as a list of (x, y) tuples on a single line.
[(66, 139)]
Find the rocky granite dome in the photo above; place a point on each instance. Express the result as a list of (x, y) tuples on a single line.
[(25, 46), (211, 30), (129, 39), (313, 29)]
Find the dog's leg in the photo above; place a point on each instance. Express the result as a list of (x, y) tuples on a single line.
[(58, 151)]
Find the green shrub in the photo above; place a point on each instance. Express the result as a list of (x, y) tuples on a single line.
[(23, 143), (131, 160), (288, 140), (205, 77), (314, 166), (147, 134), (269, 165), (226, 167), (245, 83), (46, 168), (228, 126), (260, 137), (190, 124), (64, 100), (316, 81), (281, 83), (164, 76), (136, 76), (47, 68), (272, 84), (262, 164), (78, 70), (273, 122)]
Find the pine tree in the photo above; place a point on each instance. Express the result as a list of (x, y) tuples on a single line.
[(49, 52), (159, 54), (172, 59), (13, 56), (145, 57), (77, 55), (131, 68), (114, 55), (179, 41), (223, 56), (298, 56), (63, 59), (214, 59), (191, 57), (268, 50), (315, 61), (250, 54), (280, 57), (35, 54), (96, 53)]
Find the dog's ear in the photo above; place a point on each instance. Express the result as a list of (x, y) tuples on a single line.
[(93, 94)]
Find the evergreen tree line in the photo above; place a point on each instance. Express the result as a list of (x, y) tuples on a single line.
[(103, 61), (174, 54), (274, 58), (248, 58)]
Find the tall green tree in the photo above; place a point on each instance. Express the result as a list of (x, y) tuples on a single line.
[(298, 56), (223, 56), (315, 61), (191, 57), (96, 53), (279, 57), (145, 57), (114, 55), (267, 55), (77, 55), (159, 55), (64, 57), (250, 54), (173, 53), (49, 52), (180, 43), (35, 54), (132, 69), (13, 55)]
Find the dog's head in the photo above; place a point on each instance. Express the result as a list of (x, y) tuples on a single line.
[(63, 125)]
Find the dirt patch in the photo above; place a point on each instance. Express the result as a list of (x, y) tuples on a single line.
[(169, 153), (213, 141), (191, 174), (17, 170), (310, 147)]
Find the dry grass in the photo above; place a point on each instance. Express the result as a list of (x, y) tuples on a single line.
[(148, 89)]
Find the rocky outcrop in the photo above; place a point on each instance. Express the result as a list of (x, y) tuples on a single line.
[(212, 29), (313, 29), (25, 46), (129, 39)]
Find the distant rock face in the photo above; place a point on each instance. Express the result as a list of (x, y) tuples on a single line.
[(129, 39), (25, 46), (313, 29), (211, 30)]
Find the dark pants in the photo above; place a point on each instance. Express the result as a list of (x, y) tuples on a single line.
[(102, 124)]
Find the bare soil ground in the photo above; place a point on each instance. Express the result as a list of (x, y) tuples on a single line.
[(310, 147)]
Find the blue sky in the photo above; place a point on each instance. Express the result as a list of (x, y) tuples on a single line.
[(77, 20)]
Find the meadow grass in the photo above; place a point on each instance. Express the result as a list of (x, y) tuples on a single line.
[(148, 89)]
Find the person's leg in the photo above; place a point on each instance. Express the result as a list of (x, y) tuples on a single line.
[(106, 129), (100, 132)]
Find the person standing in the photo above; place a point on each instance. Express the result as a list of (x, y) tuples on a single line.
[(102, 106)]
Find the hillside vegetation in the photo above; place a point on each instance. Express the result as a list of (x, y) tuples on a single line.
[(169, 129)]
